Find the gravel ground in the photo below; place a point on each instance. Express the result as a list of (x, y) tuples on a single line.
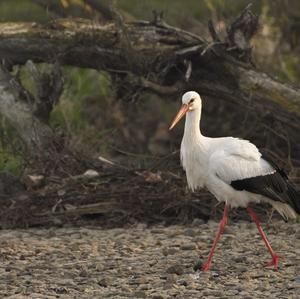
[(148, 262)]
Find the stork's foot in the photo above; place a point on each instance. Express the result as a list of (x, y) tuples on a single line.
[(199, 266), (274, 262), (206, 266)]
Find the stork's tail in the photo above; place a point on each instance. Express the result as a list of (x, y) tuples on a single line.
[(294, 197)]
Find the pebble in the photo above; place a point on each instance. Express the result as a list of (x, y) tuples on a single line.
[(239, 259), (171, 278), (190, 246), (169, 251), (197, 222), (145, 287), (190, 232), (229, 230), (212, 224), (182, 282), (147, 262), (139, 294), (153, 262), (176, 269)]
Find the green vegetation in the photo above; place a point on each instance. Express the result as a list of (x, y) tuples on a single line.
[(10, 149), (290, 69), (82, 85), (21, 10), (10, 162)]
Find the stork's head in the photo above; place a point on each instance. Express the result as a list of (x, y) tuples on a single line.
[(190, 101)]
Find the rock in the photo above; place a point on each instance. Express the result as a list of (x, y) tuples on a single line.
[(244, 294), (228, 230), (169, 251), (291, 230), (239, 259), (189, 246), (197, 222), (212, 224), (60, 290), (142, 280), (190, 232), (251, 226), (157, 231), (242, 268), (103, 282), (230, 237), (153, 262), (175, 269), (126, 289), (165, 251), (139, 294), (216, 293), (83, 273), (214, 273), (232, 292), (171, 278), (182, 282), (90, 173)]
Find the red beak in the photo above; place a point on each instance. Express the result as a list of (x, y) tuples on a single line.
[(183, 110)]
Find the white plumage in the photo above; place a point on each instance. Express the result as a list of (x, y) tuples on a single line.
[(233, 170)]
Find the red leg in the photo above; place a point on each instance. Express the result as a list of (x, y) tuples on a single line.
[(275, 257), (223, 222)]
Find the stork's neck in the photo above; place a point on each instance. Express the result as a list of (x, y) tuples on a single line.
[(192, 126)]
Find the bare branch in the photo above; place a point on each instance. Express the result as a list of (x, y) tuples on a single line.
[(212, 31)]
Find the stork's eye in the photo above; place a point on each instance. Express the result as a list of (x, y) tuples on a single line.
[(191, 101)]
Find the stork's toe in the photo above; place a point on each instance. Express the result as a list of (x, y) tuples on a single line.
[(206, 267), (274, 262)]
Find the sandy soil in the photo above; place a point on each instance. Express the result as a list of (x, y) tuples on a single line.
[(155, 262)]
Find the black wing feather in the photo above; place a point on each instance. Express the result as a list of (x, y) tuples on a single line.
[(274, 186)]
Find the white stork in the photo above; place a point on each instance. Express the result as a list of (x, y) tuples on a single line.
[(234, 171)]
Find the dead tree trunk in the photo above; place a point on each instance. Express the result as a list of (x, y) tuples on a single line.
[(16, 105)]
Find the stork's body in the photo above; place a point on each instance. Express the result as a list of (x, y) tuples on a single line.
[(233, 170)]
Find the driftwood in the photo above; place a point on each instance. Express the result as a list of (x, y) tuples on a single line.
[(114, 197)]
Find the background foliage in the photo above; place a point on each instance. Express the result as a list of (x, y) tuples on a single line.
[(93, 119)]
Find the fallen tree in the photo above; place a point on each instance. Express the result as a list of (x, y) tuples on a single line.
[(156, 57)]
